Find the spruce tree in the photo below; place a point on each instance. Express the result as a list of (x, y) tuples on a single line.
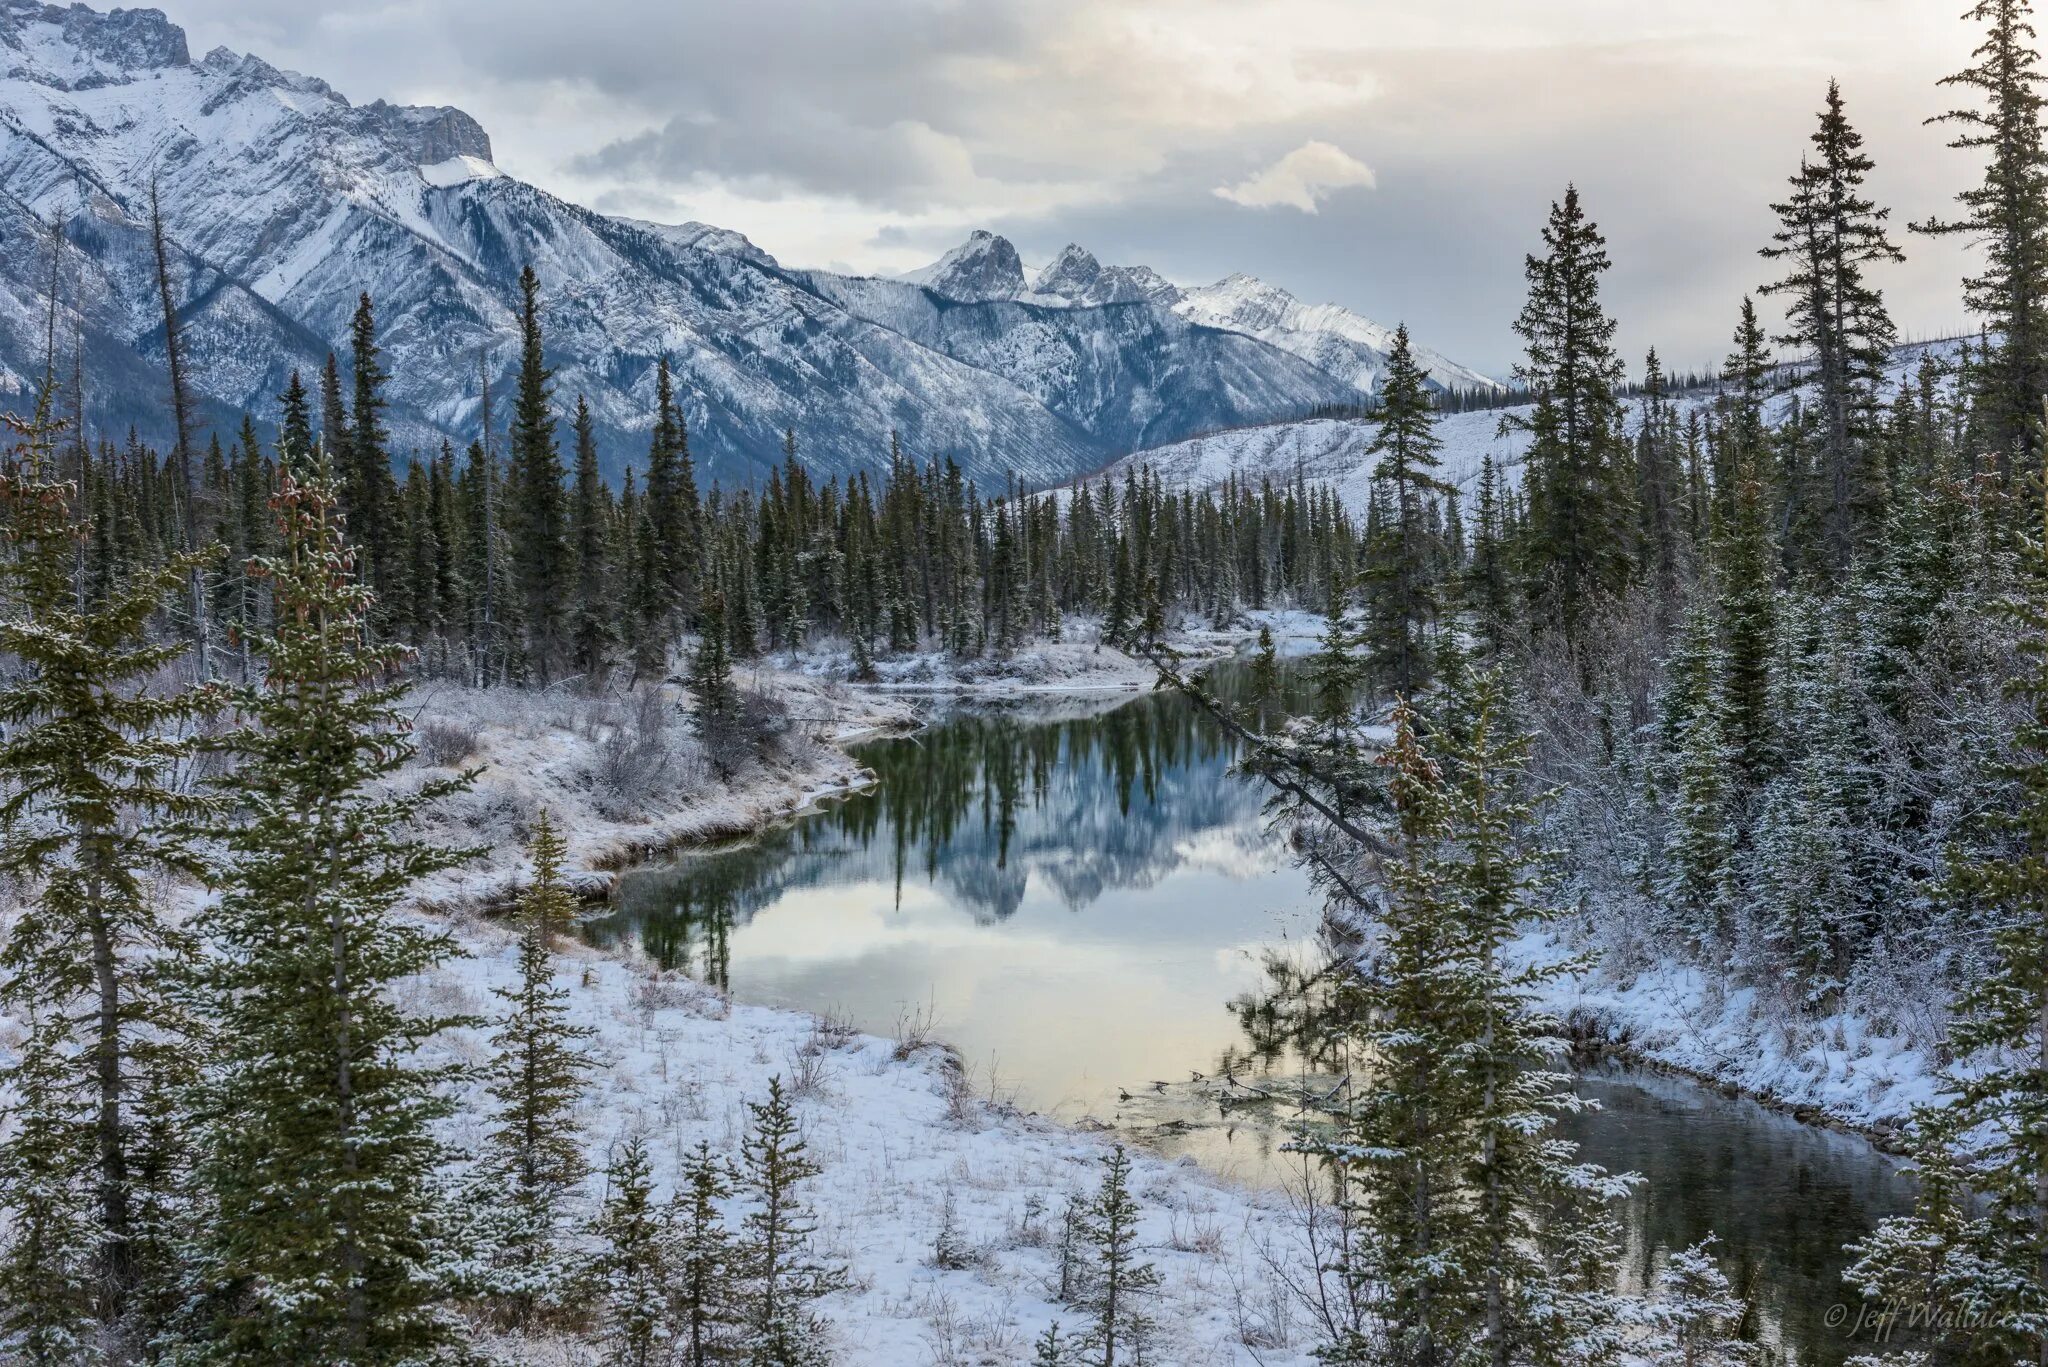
[(1121, 1282), (716, 703), (1402, 559), (50, 1261), (2007, 213), (592, 631), (703, 1271), (365, 467), (1489, 588), (781, 1274), (1401, 1134), (1696, 885), (1829, 233), (321, 1238), (1265, 669), (538, 505), (93, 815), (1746, 561), (1977, 1265), (631, 1270), (1695, 1317), (535, 1156), (1579, 487)]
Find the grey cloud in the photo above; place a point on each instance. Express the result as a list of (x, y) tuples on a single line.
[(1020, 116)]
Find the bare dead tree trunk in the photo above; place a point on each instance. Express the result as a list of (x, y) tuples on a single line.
[(181, 420)]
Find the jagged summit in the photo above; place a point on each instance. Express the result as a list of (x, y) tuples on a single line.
[(1076, 276), (983, 267), (1347, 345), (284, 202), (74, 47)]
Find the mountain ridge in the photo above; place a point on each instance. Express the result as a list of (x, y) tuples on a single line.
[(283, 202)]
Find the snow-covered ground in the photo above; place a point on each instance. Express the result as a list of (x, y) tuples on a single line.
[(902, 1138), (908, 1146), (1843, 1066), (895, 1122), (1078, 662), (621, 774)]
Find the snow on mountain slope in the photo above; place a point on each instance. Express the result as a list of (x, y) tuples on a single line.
[(1330, 337), (1076, 277), (1125, 373), (983, 267), (284, 202), (1350, 348), (1331, 452)]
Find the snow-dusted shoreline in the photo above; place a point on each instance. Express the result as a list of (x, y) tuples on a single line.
[(897, 1123), (1079, 662), (1838, 1070)]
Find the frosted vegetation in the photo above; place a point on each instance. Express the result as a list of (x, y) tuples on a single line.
[(1704, 719)]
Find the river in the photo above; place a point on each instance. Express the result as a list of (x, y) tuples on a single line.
[(1079, 895)]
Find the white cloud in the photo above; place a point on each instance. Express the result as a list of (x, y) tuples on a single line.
[(1300, 180)]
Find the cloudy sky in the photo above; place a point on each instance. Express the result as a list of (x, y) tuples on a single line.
[(1394, 157)]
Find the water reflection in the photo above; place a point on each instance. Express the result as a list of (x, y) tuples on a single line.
[(1074, 889), (1781, 1197), (1086, 900)]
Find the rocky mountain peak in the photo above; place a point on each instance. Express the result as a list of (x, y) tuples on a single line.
[(433, 133), (983, 267), (77, 47)]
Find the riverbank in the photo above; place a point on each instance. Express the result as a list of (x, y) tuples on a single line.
[(1080, 661), (1840, 1069), (967, 1279)]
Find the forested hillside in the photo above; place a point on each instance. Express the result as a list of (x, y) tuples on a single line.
[(1742, 686)]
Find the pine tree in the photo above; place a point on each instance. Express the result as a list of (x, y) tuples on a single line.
[(2008, 214), (1829, 233), (1402, 560), (1121, 1282), (781, 1274), (593, 634), (703, 1271), (631, 1271), (1581, 508), (538, 512), (535, 1156), (322, 1239), (91, 744), (1695, 1316)]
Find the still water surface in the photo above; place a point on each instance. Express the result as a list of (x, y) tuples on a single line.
[(1077, 893)]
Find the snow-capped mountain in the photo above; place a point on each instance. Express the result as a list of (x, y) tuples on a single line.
[(1078, 278), (283, 202), (1329, 452), (1343, 344), (1328, 336), (983, 267)]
